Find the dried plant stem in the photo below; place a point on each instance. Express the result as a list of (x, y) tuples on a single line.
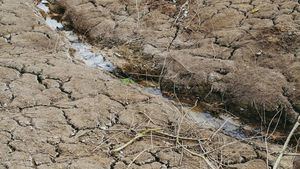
[(179, 137), (211, 165), (138, 13), (276, 165), (291, 154), (129, 165), (139, 135)]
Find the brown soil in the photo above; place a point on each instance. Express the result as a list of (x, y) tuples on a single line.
[(56, 112), (243, 55)]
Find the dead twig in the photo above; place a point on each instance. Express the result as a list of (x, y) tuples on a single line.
[(179, 137), (181, 11), (276, 165), (218, 130), (136, 157), (138, 13), (211, 165), (139, 135), (291, 154)]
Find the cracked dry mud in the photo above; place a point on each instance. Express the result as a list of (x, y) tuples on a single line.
[(241, 54), (55, 112)]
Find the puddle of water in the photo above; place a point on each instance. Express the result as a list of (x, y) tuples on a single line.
[(152, 90), (53, 24), (83, 50), (224, 122)]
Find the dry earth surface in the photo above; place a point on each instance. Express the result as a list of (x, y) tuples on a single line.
[(240, 54), (55, 112)]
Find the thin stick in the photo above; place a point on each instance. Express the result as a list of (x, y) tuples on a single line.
[(129, 165), (276, 165), (201, 156), (181, 9), (180, 137), (139, 135), (214, 134), (291, 154), (138, 13), (233, 142)]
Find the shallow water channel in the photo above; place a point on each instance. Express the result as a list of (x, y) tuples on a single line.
[(83, 50)]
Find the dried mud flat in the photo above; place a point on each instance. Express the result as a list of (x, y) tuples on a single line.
[(242, 55), (56, 112)]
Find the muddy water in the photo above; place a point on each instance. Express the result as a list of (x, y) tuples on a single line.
[(84, 51)]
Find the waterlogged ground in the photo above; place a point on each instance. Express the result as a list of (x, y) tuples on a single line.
[(58, 112)]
